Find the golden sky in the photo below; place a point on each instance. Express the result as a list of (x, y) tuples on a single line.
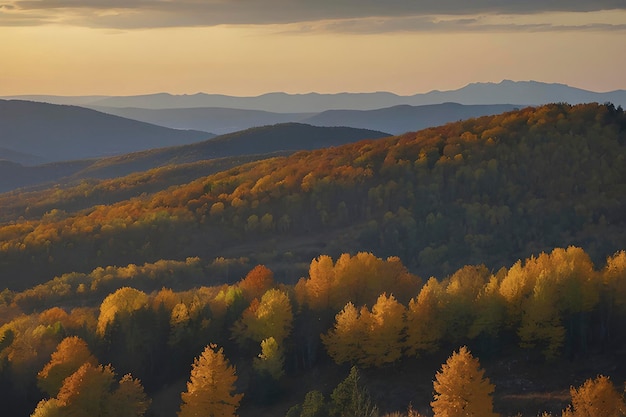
[(250, 47)]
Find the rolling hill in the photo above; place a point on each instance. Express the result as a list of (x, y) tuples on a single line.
[(496, 188), (254, 143), (405, 118), (396, 119), (60, 133), (211, 119)]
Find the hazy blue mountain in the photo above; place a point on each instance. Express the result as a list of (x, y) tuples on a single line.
[(217, 120), (405, 118), (20, 157), (69, 100), (395, 120), (60, 132), (511, 92), (272, 102), (256, 141), (247, 145), (521, 92)]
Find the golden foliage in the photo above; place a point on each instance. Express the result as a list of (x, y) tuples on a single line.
[(461, 390), (597, 397), (210, 387), (124, 300), (271, 359), (70, 354)]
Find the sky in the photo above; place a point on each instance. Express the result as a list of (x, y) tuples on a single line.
[(251, 47)]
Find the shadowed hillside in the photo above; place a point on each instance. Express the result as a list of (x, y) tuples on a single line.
[(257, 141), (218, 120), (404, 118), (60, 133), (497, 188), (396, 120)]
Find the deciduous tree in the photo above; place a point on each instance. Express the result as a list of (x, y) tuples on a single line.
[(70, 354), (271, 359), (344, 342), (272, 316), (461, 389), (596, 397), (383, 343), (92, 391), (210, 390)]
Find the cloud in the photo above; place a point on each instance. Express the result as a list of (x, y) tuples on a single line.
[(477, 23), (393, 15)]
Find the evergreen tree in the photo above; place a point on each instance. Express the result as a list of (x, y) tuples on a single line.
[(349, 399)]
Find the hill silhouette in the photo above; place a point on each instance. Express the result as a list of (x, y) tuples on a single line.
[(395, 120), (521, 93), (218, 120), (405, 118), (256, 142), (60, 133), (497, 188)]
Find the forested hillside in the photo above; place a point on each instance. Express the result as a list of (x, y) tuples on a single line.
[(303, 282), (495, 188)]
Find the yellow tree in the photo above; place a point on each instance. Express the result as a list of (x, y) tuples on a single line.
[(614, 280), (613, 305), (70, 354), (490, 310), (596, 398), (565, 286), (462, 292), (92, 391), (271, 359), (424, 322), (541, 322), (124, 300), (210, 390), (461, 389), (517, 286), (272, 316), (344, 342), (384, 336), (319, 285)]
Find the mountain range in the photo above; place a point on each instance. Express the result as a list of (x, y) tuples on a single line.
[(394, 120), (519, 93)]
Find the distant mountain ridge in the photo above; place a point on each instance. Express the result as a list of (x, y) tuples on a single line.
[(241, 146), (510, 92), (52, 133), (217, 120), (394, 120), (404, 118)]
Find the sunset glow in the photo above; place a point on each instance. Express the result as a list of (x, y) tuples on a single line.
[(81, 51)]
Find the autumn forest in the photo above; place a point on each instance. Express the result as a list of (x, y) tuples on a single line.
[(472, 269)]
